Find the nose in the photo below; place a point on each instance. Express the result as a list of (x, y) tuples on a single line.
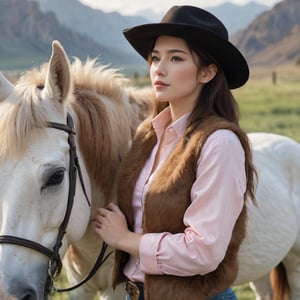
[(160, 68)]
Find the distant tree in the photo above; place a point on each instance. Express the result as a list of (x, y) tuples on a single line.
[(298, 61)]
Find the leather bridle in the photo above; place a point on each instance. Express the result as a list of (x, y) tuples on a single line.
[(55, 261)]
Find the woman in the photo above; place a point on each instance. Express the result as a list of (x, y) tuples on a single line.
[(183, 185)]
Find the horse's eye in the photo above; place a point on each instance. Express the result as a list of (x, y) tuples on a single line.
[(55, 179)]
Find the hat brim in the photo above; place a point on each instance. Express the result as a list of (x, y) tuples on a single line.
[(233, 63)]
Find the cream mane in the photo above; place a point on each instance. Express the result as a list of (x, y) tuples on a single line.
[(107, 110), (20, 113)]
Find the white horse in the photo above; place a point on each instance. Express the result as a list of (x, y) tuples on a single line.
[(35, 163), (273, 228), (34, 181)]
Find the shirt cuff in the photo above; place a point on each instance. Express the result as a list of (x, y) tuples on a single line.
[(148, 253)]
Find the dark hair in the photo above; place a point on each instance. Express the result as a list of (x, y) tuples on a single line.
[(215, 98)]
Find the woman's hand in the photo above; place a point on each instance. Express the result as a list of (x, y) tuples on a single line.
[(111, 226)]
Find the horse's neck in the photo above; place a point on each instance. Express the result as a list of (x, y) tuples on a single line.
[(89, 244), (99, 199)]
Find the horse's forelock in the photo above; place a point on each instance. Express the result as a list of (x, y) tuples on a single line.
[(21, 113)]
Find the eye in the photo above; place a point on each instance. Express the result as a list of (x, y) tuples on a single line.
[(154, 58), (55, 178), (176, 58)]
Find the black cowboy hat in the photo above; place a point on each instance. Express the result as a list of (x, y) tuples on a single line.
[(199, 28)]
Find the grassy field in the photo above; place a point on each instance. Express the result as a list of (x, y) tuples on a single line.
[(269, 107)]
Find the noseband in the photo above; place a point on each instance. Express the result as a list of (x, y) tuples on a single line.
[(55, 262)]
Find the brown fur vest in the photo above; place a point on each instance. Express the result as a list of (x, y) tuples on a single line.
[(166, 202)]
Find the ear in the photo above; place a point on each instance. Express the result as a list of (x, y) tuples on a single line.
[(207, 73), (6, 87), (58, 79)]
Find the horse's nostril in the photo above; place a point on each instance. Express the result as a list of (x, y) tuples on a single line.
[(29, 295)]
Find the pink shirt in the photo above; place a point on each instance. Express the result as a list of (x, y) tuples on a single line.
[(216, 202)]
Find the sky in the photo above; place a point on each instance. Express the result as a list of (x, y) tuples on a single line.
[(130, 7)]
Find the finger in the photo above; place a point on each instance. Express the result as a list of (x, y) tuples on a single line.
[(100, 219), (98, 215), (98, 225), (111, 206), (102, 212), (115, 208)]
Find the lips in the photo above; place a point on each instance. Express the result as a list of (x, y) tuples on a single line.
[(159, 83)]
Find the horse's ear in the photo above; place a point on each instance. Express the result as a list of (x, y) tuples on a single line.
[(6, 87), (58, 79)]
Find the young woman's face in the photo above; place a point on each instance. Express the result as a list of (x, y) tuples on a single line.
[(174, 72)]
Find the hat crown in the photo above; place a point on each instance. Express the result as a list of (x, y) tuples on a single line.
[(193, 16)]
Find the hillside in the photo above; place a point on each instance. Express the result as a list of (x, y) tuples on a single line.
[(104, 28), (273, 37), (27, 33), (243, 14)]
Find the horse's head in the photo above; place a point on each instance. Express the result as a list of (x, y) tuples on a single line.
[(34, 176)]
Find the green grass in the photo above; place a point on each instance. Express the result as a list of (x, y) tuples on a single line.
[(243, 292), (270, 108), (10, 58)]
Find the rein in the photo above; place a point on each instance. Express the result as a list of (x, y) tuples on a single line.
[(55, 262)]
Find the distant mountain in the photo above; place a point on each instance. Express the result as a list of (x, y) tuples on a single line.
[(237, 17), (273, 37), (27, 33), (97, 24), (104, 28)]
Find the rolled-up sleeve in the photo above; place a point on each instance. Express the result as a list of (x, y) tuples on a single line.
[(217, 198)]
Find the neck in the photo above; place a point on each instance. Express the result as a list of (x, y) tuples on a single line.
[(177, 113)]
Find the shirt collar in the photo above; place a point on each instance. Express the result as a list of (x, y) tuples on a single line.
[(160, 122)]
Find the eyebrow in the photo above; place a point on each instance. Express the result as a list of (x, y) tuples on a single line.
[(171, 51)]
